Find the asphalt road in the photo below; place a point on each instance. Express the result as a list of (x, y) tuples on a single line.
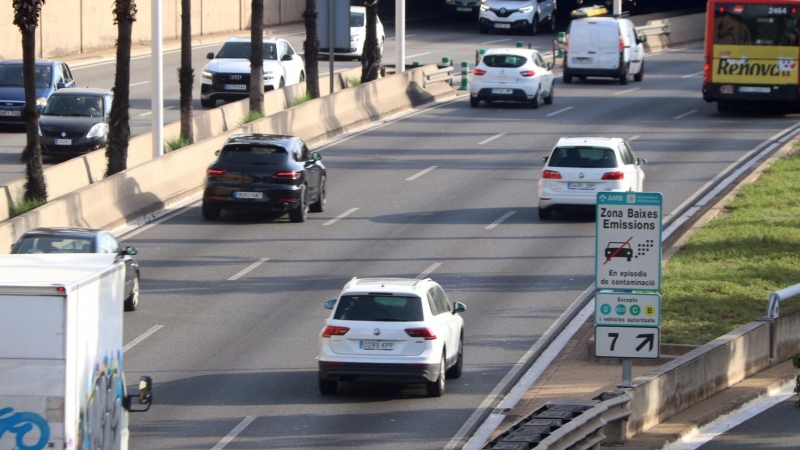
[(774, 429), (232, 354)]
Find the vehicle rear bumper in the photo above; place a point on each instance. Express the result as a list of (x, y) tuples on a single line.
[(787, 94), (274, 200), (399, 373), (517, 95)]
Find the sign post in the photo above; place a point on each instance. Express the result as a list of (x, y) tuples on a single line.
[(333, 28), (627, 259)]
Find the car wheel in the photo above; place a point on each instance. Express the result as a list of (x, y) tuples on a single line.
[(623, 79), (210, 103), (549, 99), (210, 212), (535, 100), (553, 21), (567, 78), (640, 75), (545, 213), (455, 371), (132, 302), (327, 387), (436, 388), (302, 77), (319, 205), (534, 26), (300, 213), (484, 29), (280, 84), (474, 102), (723, 107)]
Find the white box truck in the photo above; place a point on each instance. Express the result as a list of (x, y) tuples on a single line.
[(62, 383)]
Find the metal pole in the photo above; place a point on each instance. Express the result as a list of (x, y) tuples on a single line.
[(400, 35), (627, 373), (157, 81), (331, 46), (617, 7)]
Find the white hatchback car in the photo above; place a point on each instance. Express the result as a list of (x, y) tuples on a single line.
[(527, 15), (580, 167), (394, 330), (358, 35), (513, 75)]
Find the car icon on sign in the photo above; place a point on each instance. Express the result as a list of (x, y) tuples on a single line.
[(619, 250)]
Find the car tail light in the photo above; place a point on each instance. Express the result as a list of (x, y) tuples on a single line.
[(331, 330), (527, 73), (289, 200), (290, 174), (722, 9), (621, 44), (425, 333), (478, 72), (551, 174), (215, 171), (614, 176)]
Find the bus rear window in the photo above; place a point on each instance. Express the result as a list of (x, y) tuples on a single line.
[(768, 25)]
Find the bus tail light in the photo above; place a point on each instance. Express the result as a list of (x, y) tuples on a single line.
[(707, 70)]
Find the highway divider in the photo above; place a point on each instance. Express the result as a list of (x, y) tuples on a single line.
[(88, 200)]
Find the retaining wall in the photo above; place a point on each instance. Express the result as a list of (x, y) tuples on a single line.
[(683, 30)]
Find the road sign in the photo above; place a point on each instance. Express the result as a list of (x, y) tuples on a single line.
[(627, 342), (628, 245), (340, 20), (624, 309)]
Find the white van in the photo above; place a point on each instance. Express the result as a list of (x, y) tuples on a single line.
[(603, 47)]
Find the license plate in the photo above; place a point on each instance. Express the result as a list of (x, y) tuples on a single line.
[(464, 9), (236, 87), (63, 141), (502, 25), (256, 195), (581, 186), (11, 113), (376, 345), (582, 60), (502, 91), (755, 89)]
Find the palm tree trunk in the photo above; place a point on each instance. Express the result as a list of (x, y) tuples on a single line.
[(257, 57), (119, 130), (186, 73), (26, 17), (311, 48), (371, 59)]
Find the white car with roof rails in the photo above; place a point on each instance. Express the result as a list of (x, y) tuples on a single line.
[(512, 75), (580, 167), (396, 330), (526, 15), (604, 47)]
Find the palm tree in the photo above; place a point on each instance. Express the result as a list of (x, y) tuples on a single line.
[(257, 57), (185, 72), (371, 59), (311, 48), (119, 130), (26, 17)]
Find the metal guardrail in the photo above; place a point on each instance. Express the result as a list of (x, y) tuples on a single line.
[(777, 297), (435, 76), (654, 30)]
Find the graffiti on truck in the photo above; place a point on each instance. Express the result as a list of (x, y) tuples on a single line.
[(20, 424), (101, 414)]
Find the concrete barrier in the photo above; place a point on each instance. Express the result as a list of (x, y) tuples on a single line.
[(786, 334), (683, 30)]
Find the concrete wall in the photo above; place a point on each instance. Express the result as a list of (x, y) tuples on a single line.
[(684, 30), (786, 334)]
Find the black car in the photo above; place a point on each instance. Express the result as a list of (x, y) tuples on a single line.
[(266, 173), (75, 121), (84, 240), (619, 250)]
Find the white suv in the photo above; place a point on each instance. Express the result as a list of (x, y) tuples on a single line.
[(527, 15), (580, 167), (392, 329)]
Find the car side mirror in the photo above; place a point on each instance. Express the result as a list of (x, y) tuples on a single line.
[(544, 160), (316, 156), (641, 161), (61, 85), (210, 55), (459, 307), (550, 66), (642, 38), (287, 57), (130, 251), (145, 395), (330, 304), (217, 152)]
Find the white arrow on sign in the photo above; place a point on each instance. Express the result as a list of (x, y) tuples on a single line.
[(627, 342)]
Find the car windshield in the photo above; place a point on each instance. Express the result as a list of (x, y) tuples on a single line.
[(54, 244), (512, 61), (253, 154), (74, 105), (585, 157), (379, 308), (241, 50), (357, 19), (11, 76)]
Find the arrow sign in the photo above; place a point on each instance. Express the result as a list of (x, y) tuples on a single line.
[(648, 339), (627, 342)]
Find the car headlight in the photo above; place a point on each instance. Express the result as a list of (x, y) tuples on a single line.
[(268, 76), (208, 74), (526, 9), (98, 130), (449, 1), (355, 38), (485, 7), (41, 101)]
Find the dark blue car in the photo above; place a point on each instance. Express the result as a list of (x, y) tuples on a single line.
[(50, 76)]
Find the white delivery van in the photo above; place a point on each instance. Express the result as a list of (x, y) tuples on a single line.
[(603, 47), (62, 383)]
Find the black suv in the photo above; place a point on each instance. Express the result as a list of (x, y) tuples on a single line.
[(267, 173)]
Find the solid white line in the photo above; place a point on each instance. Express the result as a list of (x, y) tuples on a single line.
[(341, 216), (633, 138), (685, 114), (496, 136), (494, 42), (418, 54), (625, 92), (169, 107), (248, 269), (408, 36), (428, 271), (146, 114), (559, 111), (501, 219), (139, 83), (139, 339), (234, 432), (414, 177), (692, 75)]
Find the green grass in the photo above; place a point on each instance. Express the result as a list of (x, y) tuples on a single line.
[(352, 81), (175, 143), (721, 279), (300, 100), (23, 206), (251, 116)]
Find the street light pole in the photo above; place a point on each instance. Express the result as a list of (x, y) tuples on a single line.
[(400, 35), (157, 79), (617, 7)]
